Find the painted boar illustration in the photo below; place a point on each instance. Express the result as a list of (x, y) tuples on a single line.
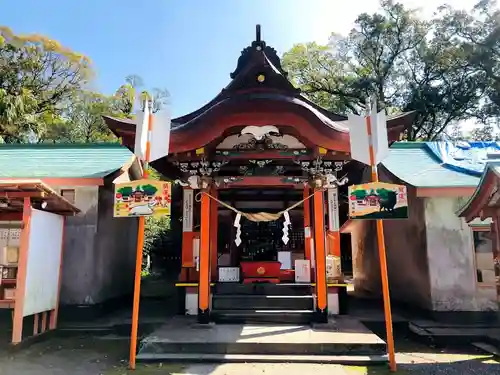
[(143, 209), (389, 202)]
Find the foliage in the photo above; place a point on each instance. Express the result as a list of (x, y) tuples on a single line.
[(158, 236), (384, 193), (44, 95), (156, 233), (477, 32), (126, 191), (37, 76), (446, 69), (359, 194), (129, 97), (149, 189), (483, 133)]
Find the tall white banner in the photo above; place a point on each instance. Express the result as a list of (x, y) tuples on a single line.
[(360, 140), (379, 136), (141, 132), (160, 134)]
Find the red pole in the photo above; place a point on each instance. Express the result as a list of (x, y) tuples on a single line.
[(383, 261), (138, 260)]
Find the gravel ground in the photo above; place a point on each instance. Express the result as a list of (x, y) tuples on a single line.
[(107, 356)]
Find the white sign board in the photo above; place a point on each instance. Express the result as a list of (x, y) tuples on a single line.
[(302, 271), (313, 254), (333, 209), (285, 258), (187, 210), (43, 264), (196, 253), (332, 267), (229, 274)]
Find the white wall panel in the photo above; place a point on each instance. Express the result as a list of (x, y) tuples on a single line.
[(44, 256)]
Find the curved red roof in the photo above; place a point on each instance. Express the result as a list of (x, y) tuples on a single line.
[(259, 94)]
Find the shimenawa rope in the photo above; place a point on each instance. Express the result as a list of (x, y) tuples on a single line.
[(257, 217)]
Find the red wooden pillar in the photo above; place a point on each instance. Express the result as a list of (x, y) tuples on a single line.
[(307, 223), (320, 256), (204, 281), (18, 318), (495, 232), (214, 228)]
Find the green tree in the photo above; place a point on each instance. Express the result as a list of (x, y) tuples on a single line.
[(477, 32), (149, 189), (37, 78), (408, 64), (126, 191), (359, 194), (483, 133), (81, 121), (132, 94), (85, 117)]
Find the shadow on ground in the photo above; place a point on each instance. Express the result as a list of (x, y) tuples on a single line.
[(107, 355)]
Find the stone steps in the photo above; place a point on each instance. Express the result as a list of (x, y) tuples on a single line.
[(263, 316), (262, 289), (263, 303), (262, 348), (348, 360)]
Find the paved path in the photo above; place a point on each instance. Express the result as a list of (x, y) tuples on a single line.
[(107, 356)]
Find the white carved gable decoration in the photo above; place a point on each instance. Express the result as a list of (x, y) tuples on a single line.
[(260, 137), (260, 132)]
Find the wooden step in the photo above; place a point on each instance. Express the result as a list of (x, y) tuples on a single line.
[(263, 316), (262, 302), (265, 289)]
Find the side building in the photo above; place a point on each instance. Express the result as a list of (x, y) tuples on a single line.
[(432, 256), (99, 251)]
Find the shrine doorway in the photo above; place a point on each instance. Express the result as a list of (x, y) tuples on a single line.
[(262, 248)]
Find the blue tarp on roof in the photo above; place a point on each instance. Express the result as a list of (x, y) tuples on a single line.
[(465, 157)]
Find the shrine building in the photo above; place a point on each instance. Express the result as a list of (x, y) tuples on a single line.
[(260, 146)]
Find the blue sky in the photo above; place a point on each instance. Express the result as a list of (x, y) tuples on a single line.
[(186, 46)]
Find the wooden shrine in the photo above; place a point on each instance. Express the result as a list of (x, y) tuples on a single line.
[(260, 146)]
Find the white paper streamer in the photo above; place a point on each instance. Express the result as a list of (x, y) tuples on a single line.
[(237, 225), (286, 225)]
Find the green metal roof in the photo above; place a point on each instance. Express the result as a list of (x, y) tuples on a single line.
[(414, 163), (61, 160)]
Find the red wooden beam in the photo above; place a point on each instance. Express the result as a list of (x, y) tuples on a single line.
[(22, 194), (261, 181), (11, 216)]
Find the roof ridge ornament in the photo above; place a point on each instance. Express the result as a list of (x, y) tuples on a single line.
[(255, 51), (257, 33)]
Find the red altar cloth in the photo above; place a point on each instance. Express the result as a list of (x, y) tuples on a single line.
[(260, 270)]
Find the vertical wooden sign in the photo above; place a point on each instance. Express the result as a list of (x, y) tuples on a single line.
[(187, 228), (333, 222), (187, 211)]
